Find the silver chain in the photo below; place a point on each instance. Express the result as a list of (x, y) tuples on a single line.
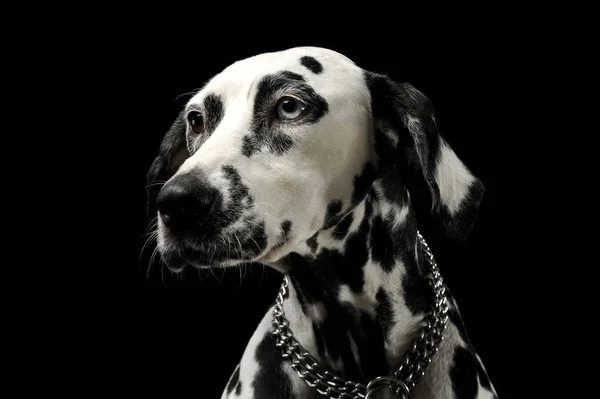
[(404, 379)]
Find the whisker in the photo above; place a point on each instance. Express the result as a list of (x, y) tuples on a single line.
[(162, 274), (277, 223), (156, 183), (151, 237), (240, 255), (189, 93), (153, 223), (249, 236)]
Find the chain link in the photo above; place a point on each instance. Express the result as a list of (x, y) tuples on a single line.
[(411, 369)]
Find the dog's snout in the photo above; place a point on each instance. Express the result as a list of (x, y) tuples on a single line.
[(187, 202)]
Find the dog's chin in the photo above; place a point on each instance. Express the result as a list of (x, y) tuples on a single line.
[(176, 260), (179, 253)]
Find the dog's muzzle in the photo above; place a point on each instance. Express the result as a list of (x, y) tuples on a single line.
[(203, 226), (187, 203)]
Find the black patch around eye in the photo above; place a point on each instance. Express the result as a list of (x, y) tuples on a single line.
[(213, 112), (463, 374), (292, 76), (312, 64), (268, 133)]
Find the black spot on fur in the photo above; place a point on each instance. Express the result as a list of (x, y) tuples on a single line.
[(312, 242), (237, 192), (258, 242), (271, 381), (238, 388), (382, 245), (319, 340), (285, 231), (418, 294), (333, 210), (304, 297), (385, 313), (371, 347), (249, 146), (336, 340), (268, 132), (341, 229), (392, 185), (332, 337), (213, 112), (350, 268), (363, 182), (331, 268), (233, 381), (286, 226), (312, 64), (464, 374)]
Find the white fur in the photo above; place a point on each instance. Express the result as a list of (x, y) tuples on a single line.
[(453, 178)]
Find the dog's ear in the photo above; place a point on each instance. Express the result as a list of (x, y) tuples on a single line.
[(407, 136), (171, 155)]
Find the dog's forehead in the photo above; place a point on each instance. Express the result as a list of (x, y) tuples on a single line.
[(312, 63)]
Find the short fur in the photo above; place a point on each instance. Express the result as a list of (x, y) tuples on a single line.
[(326, 199)]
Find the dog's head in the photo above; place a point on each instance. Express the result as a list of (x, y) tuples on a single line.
[(281, 145)]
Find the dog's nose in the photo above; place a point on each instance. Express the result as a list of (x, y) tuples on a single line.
[(186, 202)]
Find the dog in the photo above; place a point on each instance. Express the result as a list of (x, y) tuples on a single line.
[(303, 161)]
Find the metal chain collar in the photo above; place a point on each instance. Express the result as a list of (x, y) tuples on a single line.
[(404, 379)]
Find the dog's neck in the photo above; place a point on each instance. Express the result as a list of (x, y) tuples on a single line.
[(357, 292)]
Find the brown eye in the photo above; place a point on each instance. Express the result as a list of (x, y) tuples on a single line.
[(196, 122)]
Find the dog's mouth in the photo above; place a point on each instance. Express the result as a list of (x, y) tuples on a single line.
[(228, 248)]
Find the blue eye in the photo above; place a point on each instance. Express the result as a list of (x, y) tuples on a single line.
[(290, 108)]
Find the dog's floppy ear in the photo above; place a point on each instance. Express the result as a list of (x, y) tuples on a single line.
[(171, 155), (407, 136)]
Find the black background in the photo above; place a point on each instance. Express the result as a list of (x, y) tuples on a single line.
[(184, 336)]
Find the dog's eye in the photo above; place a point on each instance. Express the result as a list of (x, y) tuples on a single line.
[(196, 122), (290, 108)]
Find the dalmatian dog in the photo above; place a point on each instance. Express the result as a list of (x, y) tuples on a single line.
[(305, 162)]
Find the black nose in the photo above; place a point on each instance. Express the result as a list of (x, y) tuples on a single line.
[(187, 202)]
